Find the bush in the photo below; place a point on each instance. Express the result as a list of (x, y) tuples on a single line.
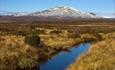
[(98, 35), (32, 39), (41, 31), (55, 32)]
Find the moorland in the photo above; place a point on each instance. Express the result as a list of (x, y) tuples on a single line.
[(25, 43)]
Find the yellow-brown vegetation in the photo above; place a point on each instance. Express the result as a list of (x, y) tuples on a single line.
[(101, 56), (14, 52), (57, 35)]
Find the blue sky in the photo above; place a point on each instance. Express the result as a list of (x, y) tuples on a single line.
[(96, 6)]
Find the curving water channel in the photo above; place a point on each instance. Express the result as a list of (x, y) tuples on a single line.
[(63, 59)]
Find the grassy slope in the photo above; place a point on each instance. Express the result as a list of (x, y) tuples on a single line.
[(101, 56)]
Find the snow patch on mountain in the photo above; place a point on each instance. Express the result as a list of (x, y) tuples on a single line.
[(64, 11)]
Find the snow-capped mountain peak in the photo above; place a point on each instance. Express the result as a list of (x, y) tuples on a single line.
[(63, 11), (58, 11), (63, 8)]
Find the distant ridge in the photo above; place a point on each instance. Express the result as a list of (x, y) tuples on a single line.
[(57, 12)]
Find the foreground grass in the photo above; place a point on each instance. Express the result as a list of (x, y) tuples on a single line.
[(101, 56), (15, 53)]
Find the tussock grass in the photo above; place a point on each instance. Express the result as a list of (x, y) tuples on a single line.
[(59, 42), (101, 56), (15, 53), (66, 39)]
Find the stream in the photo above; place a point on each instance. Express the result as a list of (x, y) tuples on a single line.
[(63, 59)]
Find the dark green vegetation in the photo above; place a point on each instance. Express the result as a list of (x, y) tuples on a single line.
[(32, 39), (17, 39)]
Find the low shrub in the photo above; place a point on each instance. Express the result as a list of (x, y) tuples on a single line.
[(32, 39), (55, 32), (40, 31)]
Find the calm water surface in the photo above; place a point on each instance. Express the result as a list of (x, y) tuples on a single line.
[(63, 59)]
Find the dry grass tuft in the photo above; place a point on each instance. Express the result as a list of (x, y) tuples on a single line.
[(14, 52), (101, 56)]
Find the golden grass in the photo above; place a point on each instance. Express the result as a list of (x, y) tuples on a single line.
[(58, 42), (101, 56), (65, 39), (14, 52)]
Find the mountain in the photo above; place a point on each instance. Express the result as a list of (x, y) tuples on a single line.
[(6, 13), (64, 11), (109, 15), (57, 12)]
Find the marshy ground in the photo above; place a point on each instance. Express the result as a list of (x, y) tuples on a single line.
[(15, 53)]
